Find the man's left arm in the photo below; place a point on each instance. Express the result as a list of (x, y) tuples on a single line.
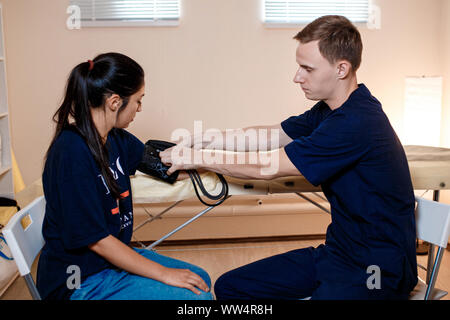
[(242, 165)]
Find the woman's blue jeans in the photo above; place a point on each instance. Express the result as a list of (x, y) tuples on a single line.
[(115, 284)]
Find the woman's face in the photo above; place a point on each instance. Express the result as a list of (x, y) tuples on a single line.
[(126, 115)]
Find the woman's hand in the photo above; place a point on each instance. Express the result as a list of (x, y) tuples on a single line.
[(122, 256), (184, 278)]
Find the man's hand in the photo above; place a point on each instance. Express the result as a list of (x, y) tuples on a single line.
[(193, 141), (185, 141), (180, 157), (183, 175)]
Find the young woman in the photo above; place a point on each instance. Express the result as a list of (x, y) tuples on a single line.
[(89, 213)]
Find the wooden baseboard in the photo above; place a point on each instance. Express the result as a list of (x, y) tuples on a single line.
[(5, 288), (188, 242)]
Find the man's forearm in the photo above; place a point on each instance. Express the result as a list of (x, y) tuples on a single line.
[(256, 138), (246, 165), (243, 165)]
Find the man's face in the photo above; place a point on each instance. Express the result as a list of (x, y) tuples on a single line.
[(315, 75)]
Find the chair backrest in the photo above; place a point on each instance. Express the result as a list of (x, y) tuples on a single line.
[(433, 221), (26, 242)]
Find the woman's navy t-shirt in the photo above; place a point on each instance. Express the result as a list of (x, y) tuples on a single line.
[(80, 209), (356, 157)]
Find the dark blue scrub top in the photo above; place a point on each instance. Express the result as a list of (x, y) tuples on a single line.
[(356, 157), (80, 209)]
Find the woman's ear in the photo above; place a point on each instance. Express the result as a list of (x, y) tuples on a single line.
[(113, 102)]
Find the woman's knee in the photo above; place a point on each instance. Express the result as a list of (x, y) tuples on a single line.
[(174, 263), (202, 273), (202, 296)]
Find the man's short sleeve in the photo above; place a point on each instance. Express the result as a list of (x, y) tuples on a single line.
[(337, 143), (304, 124)]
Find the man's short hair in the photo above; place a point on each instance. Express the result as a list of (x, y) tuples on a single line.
[(338, 39)]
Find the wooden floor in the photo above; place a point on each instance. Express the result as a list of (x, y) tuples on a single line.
[(219, 258)]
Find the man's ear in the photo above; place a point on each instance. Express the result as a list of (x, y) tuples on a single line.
[(113, 102), (344, 68)]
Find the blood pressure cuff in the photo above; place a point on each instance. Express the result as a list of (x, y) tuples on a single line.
[(151, 162)]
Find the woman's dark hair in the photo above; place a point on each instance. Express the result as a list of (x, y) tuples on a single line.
[(88, 86)]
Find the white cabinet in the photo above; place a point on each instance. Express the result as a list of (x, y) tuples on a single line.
[(6, 174)]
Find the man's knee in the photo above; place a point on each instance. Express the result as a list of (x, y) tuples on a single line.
[(224, 287)]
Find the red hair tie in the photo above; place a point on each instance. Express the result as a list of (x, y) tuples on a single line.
[(91, 65)]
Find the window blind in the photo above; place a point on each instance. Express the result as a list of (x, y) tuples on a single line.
[(127, 10), (304, 11)]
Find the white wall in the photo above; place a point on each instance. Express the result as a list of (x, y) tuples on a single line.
[(445, 51)]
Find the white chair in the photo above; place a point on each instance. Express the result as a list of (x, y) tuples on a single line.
[(25, 243), (433, 226)]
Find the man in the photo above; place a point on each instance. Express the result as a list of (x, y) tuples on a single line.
[(346, 144)]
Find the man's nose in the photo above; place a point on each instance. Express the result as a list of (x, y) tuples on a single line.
[(298, 78)]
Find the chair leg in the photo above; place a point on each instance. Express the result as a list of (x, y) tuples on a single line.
[(32, 287), (431, 247), (433, 276), (431, 259)]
